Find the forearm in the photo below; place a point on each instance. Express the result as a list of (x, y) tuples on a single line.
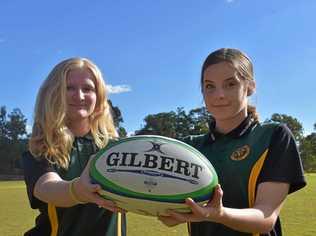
[(250, 220), (53, 189)]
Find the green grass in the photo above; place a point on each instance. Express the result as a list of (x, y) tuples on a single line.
[(298, 214)]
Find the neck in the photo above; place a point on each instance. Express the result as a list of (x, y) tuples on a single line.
[(224, 126), (79, 128)]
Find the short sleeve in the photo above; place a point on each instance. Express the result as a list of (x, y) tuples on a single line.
[(283, 162), (33, 170)]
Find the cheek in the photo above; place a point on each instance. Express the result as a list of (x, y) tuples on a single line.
[(93, 99), (69, 95)]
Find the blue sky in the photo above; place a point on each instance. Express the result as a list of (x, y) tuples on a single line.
[(151, 52)]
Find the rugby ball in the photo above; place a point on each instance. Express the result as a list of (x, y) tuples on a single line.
[(149, 174)]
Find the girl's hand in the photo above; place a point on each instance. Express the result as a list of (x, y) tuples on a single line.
[(88, 192), (212, 211)]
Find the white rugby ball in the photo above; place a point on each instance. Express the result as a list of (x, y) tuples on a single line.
[(149, 174)]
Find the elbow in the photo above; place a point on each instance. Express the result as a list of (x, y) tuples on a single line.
[(268, 225)]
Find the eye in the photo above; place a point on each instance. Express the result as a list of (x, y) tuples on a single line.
[(87, 89), (209, 87), (70, 88), (230, 84)]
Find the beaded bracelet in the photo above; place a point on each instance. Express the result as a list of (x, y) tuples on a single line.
[(72, 193)]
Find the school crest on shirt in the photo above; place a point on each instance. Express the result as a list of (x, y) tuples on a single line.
[(240, 153)]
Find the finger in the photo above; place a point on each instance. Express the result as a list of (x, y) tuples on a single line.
[(168, 221), (93, 187), (217, 197), (100, 201), (181, 217), (196, 209)]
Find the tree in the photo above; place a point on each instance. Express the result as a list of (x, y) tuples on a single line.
[(199, 119), (308, 152), (117, 119), (292, 123), (163, 123), (12, 138), (177, 124), (3, 120), (16, 126)]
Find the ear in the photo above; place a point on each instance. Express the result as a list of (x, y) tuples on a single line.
[(251, 87)]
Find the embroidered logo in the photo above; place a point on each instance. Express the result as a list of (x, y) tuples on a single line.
[(240, 154)]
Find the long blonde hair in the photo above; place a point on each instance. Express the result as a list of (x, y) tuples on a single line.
[(51, 138), (240, 61)]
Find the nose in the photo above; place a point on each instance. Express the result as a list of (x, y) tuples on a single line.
[(219, 93), (79, 95)]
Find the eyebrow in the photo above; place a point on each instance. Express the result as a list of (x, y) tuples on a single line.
[(229, 78)]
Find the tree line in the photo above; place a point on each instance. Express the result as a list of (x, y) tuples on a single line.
[(175, 124), (178, 124), (14, 137)]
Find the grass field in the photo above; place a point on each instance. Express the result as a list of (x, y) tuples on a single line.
[(298, 215)]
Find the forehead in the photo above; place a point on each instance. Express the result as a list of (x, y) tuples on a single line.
[(80, 74), (219, 71)]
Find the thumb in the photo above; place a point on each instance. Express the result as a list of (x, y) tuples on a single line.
[(217, 197), (93, 187), (196, 209)]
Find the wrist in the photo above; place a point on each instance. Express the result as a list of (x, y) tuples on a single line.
[(223, 216), (72, 192), (220, 216)]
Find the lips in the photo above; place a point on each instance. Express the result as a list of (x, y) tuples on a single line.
[(219, 106), (77, 105)]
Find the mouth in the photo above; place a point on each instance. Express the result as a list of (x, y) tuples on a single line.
[(220, 106), (77, 105)]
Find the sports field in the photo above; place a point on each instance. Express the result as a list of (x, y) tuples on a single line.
[(298, 214)]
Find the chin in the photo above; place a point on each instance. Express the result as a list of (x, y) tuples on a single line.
[(75, 116)]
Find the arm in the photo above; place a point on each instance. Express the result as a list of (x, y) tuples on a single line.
[(260, 218), (51, 188)]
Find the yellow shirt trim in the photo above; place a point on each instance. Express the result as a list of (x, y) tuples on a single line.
[(119, 224), (253, 180), (53, 219), (189, 228)]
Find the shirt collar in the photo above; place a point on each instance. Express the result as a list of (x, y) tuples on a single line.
[(87, 136), (243, 128)]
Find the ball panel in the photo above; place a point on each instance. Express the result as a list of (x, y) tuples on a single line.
[(146, 207)]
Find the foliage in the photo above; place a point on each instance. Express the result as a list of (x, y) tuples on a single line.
[(292, 123), (176, 124), (12, 139), (308, 152), (117, 119)]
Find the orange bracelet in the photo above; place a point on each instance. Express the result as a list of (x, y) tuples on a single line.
[(72, 193)]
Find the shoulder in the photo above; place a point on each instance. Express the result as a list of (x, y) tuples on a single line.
[(28, 158), (32, 163), (277, 130), (281, 135), (283, 162), (196, 140)]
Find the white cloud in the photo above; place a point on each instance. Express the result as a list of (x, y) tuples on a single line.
[(118, 88), (28, 128)]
